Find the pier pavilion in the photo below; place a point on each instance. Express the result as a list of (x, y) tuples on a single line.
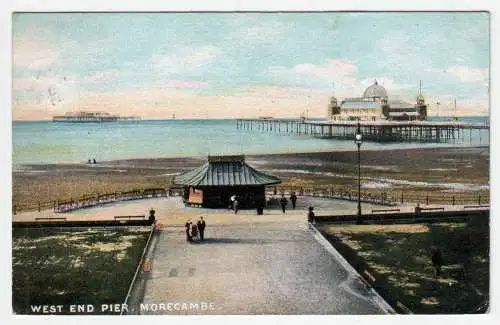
[(375, 105), (212, 184)]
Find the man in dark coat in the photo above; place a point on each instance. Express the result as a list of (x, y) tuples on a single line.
[(310, 215), (188, 230), (437, 260), (152, 215), (283, 202), (293, 199), (201, 227)]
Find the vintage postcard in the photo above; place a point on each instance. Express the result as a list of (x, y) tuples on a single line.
[(249, 163)]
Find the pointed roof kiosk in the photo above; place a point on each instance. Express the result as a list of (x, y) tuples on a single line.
[(212, 184)]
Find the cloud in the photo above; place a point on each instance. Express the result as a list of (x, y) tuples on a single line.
[(183, 84), (466, 74), (263, 32), (342, 72), (186, 59), (34, 55), (102, 76), (51, 89)]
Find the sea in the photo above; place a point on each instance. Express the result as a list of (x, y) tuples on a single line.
[(47, 142)]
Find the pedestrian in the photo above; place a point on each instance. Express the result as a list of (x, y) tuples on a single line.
[(152, 215), (310, 215), (93, 161), (201, 227), (188, 230), (437, 260), (194, 231), (293, 199), (418, 209), (283, 202), (231, 202), (235, 206)]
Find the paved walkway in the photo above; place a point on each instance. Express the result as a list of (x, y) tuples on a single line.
[(264, 268), (171, 211)]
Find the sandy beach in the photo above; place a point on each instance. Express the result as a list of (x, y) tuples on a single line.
[(421, 170)]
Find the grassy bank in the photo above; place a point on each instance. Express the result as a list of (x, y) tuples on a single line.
[(53, 266), (399, 257)]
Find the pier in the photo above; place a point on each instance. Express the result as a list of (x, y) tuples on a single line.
[(378, 131)]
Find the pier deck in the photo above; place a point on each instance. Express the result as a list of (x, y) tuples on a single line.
[(380, 130)]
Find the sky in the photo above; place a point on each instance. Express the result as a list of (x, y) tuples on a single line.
[(225, 65)]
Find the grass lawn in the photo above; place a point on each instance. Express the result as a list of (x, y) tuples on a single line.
[(55, 266), (400, 258)]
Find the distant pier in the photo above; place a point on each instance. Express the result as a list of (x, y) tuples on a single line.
[(378, 131)]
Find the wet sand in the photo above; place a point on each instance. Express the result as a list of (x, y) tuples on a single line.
[(457, 169)]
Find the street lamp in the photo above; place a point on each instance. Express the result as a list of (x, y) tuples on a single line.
[(359, 139)]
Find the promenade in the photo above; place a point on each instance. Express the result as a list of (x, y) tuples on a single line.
[(265, 268), (248, 264)]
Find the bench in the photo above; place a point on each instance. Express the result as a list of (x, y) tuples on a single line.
[(432, 209), (386, 210), (130, 217), (50, 219), (476, 206)]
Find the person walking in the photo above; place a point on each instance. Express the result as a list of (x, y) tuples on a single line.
[(310, 215), (231, 203), (437, 260), (194, 231), (188, 230), (201, 227), (152, 217), (235, 206), (283, 202), (293, 199)]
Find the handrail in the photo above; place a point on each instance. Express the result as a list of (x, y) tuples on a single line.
[(141, 261)]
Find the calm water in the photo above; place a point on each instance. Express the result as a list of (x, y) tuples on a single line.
[(48, 142)]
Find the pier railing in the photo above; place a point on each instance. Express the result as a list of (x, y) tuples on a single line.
[(385, 198), (378, 131)]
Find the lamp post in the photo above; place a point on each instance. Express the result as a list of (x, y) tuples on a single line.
[(358, 139)]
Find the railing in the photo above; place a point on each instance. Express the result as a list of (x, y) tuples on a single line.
[(92, 200), (138, 269), (327, 191), (383, 198)]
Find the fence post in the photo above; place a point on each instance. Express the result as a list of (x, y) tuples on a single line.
[(427, 199), (453, 200), (402, 198), (479, 200)]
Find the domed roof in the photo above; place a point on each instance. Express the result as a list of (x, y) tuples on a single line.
[(375, 90)]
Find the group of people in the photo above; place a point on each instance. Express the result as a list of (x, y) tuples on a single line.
[(195, 230), (92, 161)]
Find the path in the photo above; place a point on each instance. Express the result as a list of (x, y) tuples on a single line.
[(259, 268)]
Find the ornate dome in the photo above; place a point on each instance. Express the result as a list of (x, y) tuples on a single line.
[(375, 90)]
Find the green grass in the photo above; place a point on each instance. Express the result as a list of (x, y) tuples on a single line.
[(62, 267), (400, 258)]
